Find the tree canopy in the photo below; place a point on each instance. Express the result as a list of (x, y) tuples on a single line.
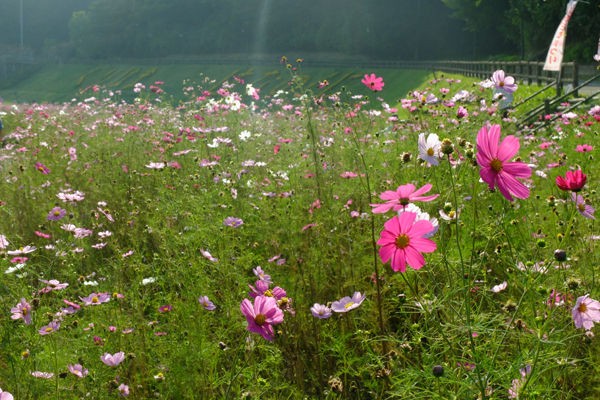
[(382, 29)]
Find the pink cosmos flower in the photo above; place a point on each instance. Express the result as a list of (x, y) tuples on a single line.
[(123, 390), (95, 299), (5, 395), (51, 327), (78, 370), (582, 207), (22, 310), (373, 82), (502, 82), (42, 168), (347, 303), (586, 312), (573, 181), (56, 214), (496, 169), (262, 315), (112, 360), (584, 148), (206, 303), (402, 197), (402, 241)]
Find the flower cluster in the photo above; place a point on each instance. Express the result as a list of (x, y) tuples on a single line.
[(342, 305), (268, 307)]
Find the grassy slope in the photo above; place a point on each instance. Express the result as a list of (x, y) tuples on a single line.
[(56, 83)]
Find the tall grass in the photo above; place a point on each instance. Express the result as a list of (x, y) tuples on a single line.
[(301, 169)]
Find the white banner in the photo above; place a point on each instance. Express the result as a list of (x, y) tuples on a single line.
[(555, 52)]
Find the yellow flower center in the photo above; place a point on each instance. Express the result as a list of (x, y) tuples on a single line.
[(48, 329), (451, 214), (268, 293), (56, 213), (95, 299), (24, 311), (402, 241), (582, 308), (496, 165), (430, 152), (581, 207), (348, 305), (260, 319), (501, 84)]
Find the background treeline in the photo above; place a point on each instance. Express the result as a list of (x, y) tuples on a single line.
[(383, 29)]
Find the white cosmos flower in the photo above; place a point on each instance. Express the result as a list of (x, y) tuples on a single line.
[(430, 148)]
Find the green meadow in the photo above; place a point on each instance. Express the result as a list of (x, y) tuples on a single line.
[(167, 232)]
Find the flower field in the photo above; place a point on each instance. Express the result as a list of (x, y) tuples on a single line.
[(303, 244)]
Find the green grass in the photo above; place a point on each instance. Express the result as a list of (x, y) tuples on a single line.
[(308, 224)]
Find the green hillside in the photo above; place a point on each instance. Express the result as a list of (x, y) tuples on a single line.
[(60, 83)]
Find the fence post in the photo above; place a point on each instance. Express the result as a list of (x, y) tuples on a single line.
[(575, 78)]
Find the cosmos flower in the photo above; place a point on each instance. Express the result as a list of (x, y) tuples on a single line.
[(373, 82), (496, 169), (22, 311), (78, 370), (233, 222), (206, 303), (95, 299), (503, 82), (347, 303), (5, 395), (56, 214), (402, 197), (262, 315), (586, 312), (402, 241), (582, 207), (51, 327), (320, 311), (112, 360), (430, 148), (42, 168), (572, 181)]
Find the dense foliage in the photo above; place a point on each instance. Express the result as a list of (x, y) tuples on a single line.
[(383, 29)]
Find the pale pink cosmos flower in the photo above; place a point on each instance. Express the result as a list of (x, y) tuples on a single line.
[(123, 390), (262, 315), (5, 395), (586, 312), (503, 82), (51, 327), (95, 299), (583, 208), (320, 311), (496, 169), (3, 242), (500, 287), (206, 303), (77, 370), (112, 360), (402, 197), (206, 254), (347, 303), (22, 311), (42, 374), (402, 241)]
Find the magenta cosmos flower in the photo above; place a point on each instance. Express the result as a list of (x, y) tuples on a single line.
[(262, 315), (503, 82), (402, 241), (206, 303), (402, 197), (496, 169), (42, 168), (51, 327), (373, 82), (586, 312), (347, 303), (112, 360), (22, 310), (56, 214), (573, 181)]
